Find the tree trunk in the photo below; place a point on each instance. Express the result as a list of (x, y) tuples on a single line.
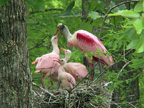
[(15, 76)]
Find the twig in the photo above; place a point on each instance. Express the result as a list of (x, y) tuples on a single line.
[(111, 10), (131, 104), (37, 44), (43, 90), (97, 78), (128, 52), (115, 26), (69, 100), (122, 69), (76, 84)]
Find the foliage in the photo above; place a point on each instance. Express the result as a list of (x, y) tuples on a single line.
[(122, 34), (134, 31), (2, 2)]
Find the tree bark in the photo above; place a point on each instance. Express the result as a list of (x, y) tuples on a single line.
[(15, 76)]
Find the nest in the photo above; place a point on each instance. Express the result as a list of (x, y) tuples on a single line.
[(94, 95)]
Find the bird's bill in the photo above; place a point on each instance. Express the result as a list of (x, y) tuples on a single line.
[(59, 61), (35, 62), (58, 35), (58, 27), (63, 49)]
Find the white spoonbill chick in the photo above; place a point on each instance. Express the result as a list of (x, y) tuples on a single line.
[(66, 80)]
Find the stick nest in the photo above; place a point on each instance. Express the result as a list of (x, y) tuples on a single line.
[(82, 96)]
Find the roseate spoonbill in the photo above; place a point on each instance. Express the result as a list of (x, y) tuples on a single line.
[(48, 64), (87, 43), (77, 70), (66, 80)]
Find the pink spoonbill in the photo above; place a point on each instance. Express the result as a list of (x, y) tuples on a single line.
[(77, 70), (66, 80), (87, 43), (48, 64)]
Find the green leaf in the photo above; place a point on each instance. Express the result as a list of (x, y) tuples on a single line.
[(132, 35), (142, 35), (138, 7), (2, 2), (126, 13), (40, 5), (94, 15), (133, 44), (140, 47), (129, 34), (137, 63), (69, 8), (139, 25)]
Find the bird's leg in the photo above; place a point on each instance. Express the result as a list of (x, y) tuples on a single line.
[(90, 61), (51, 84), (43, 81), (92, 72)]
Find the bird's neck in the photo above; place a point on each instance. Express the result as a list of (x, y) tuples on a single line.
[(67, 56), (55, 48), (67, 33), (61, 69)]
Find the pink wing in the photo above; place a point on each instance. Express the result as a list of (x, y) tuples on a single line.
[(71, 80), (88, 42), (47, 61), (77, 70)]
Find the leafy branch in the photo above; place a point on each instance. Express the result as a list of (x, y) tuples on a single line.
[(111, 10)]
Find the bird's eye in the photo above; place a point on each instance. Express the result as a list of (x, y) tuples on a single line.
[(62, 60), (62, 26)]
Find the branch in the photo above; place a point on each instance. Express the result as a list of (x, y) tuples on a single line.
[(122, 68), (111, 10), (77, 84), (38, 44), (97, 77), (52, 9), (44, 90)]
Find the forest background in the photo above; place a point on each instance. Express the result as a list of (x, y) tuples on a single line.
[(119, 24)]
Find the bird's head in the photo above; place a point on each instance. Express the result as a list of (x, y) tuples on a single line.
[(62, 61), (55, 38), (61, 26), (63, 29), (67, 52)]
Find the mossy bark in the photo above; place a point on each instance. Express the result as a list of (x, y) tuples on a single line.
[(15, 76)]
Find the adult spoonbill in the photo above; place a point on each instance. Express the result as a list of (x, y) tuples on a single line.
[(87, 43), (77, 70), (66, 80), (48, 64)]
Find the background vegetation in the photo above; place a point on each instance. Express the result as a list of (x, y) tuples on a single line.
[(118, 24)]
